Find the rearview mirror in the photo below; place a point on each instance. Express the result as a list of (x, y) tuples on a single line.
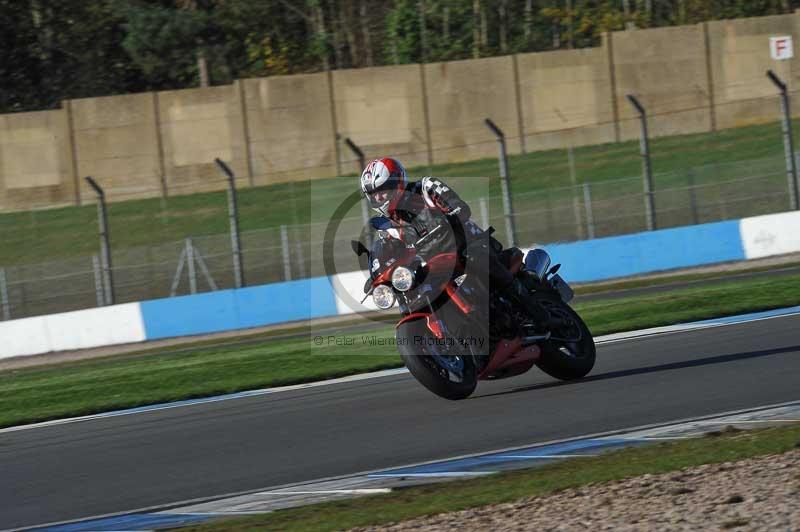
[(358, 248), (553, 270)]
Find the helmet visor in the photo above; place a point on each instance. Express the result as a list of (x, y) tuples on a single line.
[(379, 198)]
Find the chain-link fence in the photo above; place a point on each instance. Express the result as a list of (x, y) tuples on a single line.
[(594, 210), (50, 259), (289, 252)]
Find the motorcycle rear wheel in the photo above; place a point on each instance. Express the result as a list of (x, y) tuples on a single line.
[(418, 349)]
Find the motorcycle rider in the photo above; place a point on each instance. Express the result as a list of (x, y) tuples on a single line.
[(417, 208)]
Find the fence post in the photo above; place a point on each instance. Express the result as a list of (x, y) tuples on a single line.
[(4, 295), (198, 257), (692, 196), (647, 168), (788, 141), (190, 265), (287, 263), (176, 280), (301, 261), (580, 230), (573, 175), (573, 178), (105, 245), (587, 204), (98, 280), (484, 212), (508, 209), (362, 163), (233, 215)]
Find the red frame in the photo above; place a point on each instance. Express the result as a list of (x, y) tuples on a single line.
[(509, 358), (430, 319)]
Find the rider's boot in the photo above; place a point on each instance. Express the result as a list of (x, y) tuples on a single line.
[(520, 294)]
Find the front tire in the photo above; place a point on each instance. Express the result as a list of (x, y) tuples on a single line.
[(567, 361), (419, 352)]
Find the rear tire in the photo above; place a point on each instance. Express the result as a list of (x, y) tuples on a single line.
[(567, 361), (436, 378)]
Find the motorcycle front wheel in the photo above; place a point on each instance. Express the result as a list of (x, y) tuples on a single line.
[(567, 360), (439, 366)]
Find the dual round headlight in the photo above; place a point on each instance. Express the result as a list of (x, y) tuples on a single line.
[(383, 296), (402, 278)]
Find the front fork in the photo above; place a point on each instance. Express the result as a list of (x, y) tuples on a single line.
[(435, 325), (452, 362)]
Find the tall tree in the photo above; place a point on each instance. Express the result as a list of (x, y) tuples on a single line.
[(476, 28), (56, 49), (172, 42), (502, 9), (366, 32)]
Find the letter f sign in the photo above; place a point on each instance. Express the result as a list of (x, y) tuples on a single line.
[(781, 47)]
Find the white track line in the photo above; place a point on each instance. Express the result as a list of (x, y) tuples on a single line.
[(533, 457), (364, 491)]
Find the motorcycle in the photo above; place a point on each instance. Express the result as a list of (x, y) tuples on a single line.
[(455, 331)]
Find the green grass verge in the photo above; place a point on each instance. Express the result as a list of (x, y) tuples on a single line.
[(102, 385), (28, 237), (725, 446), (689, 304), (676, 278), (38, 394)]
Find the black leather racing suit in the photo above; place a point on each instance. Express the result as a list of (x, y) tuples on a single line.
[(428, 204)]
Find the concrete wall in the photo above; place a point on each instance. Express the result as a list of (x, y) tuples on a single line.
[(117, 144), (35, 159), (382, 110), (690, 78), (461, 94), (739, 58), (290, 124), (666, 69), (566, 98), (81, 329), (197, 126)]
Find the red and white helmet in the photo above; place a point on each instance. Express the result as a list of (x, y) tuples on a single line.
[(383, 182)]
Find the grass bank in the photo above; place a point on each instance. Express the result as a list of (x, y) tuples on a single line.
[(71, 389), (725, 446)]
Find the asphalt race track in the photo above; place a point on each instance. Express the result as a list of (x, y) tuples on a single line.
[(100, 466)]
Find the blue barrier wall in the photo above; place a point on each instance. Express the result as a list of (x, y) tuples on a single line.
[(227, 310), (622, 256), (584, 261)]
